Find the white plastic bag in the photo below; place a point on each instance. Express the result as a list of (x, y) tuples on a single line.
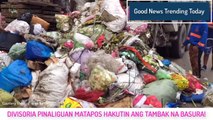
[(133, 84), (53, 87), (113, 15), (19, 26), (84, 40), (38, 29), (5, 60)]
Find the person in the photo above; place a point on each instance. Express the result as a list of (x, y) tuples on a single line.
[(197, 39), (208, 49)]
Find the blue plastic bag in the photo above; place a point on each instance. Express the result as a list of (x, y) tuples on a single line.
[(17, 74), (37, 51), (166, 62), (194, 97)]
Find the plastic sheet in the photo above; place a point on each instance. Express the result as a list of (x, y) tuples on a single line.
[(17, 74), (164, 90)]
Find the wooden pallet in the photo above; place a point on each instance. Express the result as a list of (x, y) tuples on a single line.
[(8, 13), (18, 6), (34, 2), (16, 1), (26, 6)]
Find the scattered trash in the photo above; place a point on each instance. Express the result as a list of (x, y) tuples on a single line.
[(94, 59), (208, 98)]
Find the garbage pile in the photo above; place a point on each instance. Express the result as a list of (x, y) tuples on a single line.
[(95, 59)]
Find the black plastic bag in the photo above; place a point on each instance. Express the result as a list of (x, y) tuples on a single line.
[(27, 17)]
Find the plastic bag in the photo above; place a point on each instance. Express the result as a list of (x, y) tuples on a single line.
[(63, 22), (37, 51), (7, 40), (166, 62), (100, 79), (89, 96), (18, 51), (38, 29), (82, 56), (52, 87), (181, 82), (132, 68), (148, 78), (7, 100), (208, 98), (192, 98), (17, 74), (139, 101), (76, 103), (95, 31), (162, 74), (153, 101), (177, 69), (104, 60), (83, 40), (137, 28), (164, 90), (113, 15), (133, 84), (27, 17), (55, 35), (194, 84), (18, 26), (5, 60)]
